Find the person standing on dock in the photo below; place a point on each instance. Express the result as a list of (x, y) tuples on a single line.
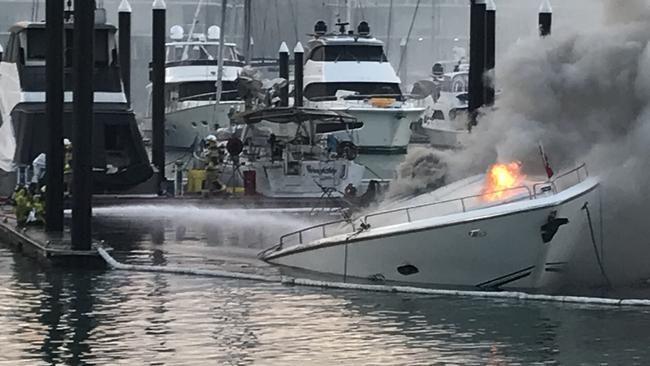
[(213, 156)]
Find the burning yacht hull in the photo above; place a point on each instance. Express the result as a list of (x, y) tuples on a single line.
[(502, 246)]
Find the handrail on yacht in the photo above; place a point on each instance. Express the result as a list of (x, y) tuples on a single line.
[(191, 97), (319, 226), (460, 200), (531, 194)]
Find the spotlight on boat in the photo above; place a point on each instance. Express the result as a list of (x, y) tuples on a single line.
[(214, 32), (176, 32), (438, 70), (320, 29), (363, 29)]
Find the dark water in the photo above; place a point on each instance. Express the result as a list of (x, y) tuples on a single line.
[(111, 317)]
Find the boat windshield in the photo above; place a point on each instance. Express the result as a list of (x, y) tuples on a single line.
[(199, 51), (358, 53), (458, 83), (356, 90)]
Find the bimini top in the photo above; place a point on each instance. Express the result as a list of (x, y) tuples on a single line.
[(293, 115)]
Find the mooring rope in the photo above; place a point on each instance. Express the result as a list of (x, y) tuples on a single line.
[(372, 288), (595, 246)]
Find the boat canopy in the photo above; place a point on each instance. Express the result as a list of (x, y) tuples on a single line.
[(297, 115)]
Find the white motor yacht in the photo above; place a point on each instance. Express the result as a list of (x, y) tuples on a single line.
[(445, 120), (290, 152), (191, 75), (469, 233), (349, 72)]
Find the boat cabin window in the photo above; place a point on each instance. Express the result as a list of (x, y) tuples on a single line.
[(202, 90), (36, 44), (199, 51), (11, 52), (358, 53), (104, 44), (457, 83), (358, 90)]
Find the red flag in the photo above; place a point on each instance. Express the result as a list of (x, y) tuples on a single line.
[(547, 166)]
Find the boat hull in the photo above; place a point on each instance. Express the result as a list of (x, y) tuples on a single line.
[(487, 252), (310, 182), (384, 131), (193, 121)]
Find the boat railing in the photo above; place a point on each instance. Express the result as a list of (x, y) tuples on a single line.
[(558, 183), (538, 189), (319, 231), (461, 204)]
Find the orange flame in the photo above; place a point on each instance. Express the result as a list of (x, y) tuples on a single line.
[(500, 178)]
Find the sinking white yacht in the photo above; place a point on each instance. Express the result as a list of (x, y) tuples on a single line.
[(191, 75), (294, 153), (463, 234), (349, 72)]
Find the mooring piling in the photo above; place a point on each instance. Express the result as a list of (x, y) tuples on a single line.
[(490, 50), (298, 74), (54, 95), (545, 19), (82, 163), (476, 58), (283, 61), (159, 10), (124, 33)]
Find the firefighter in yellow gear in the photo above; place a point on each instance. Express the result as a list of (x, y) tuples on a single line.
[(213, 156), (29, 207)]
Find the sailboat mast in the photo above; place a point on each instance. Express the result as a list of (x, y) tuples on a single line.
[(222, 41), (195, 20), (348, 5), (247, 30)]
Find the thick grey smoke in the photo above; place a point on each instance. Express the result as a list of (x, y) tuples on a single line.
[(585, 94)]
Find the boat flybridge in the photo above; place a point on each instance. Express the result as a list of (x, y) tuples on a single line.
[(290, 151), (119, 158), (493, 231), (348, 71), (193, 108)]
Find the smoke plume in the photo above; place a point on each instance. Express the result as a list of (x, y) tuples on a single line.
[(584, 94)]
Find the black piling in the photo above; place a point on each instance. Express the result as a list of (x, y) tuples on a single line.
[(545, 18), (124, 24), (54, 112), (490, 50), (477, 58), (298, 74), (247, 31), (158, 91), (283, 61), (82, 168)]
